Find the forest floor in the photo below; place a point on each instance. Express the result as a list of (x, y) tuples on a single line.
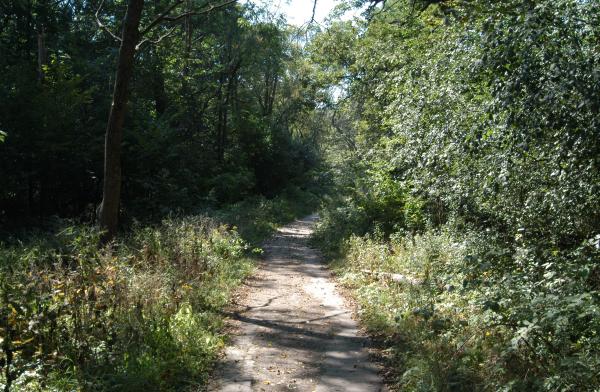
[(291, 328)]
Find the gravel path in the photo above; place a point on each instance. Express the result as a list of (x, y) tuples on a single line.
[(293, 330)]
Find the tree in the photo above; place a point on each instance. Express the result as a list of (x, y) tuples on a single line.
[(109, 209), (108, 214), (193, 108), (478, 121)]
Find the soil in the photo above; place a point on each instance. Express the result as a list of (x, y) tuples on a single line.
[(292, 330)]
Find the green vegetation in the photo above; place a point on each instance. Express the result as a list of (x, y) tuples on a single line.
[(142, 314), (458, 141), (219, 146), (209, 122), (256, 218), (145, 313), (465, 155)]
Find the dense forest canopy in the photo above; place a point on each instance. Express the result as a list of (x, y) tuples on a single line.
[(453, 142), (213, 109), (217, 109), (465, 151)]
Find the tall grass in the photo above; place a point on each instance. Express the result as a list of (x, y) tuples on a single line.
[(457, 323), (141, 314), (145, 313)]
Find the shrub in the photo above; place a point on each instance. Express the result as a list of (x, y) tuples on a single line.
[(141, 314), (470, 323)]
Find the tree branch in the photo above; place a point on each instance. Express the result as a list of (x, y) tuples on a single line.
[(102, 26), (314, 11), (201, 12), (160, 18), (165, 15), (310, 22), (156, 41)]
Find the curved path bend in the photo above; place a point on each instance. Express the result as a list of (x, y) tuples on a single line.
[(293, 331)]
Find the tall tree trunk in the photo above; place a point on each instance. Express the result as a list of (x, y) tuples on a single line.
[(30, 185), (160, 95), (230, 101), (188, 37), (272, 93), (109, 209), (158, 85), (221, 117), (42, 52), (186, 89)]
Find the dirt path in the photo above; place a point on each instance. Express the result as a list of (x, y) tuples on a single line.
[(293, 331)]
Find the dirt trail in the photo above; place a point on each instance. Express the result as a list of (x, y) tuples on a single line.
[(293, 331)]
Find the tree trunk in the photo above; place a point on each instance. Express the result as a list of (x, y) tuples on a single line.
[(42, 52), (109, 209), (221, 118), (159, 92)]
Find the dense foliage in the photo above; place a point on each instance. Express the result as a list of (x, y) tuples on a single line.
[(144, 314), (217, 110), (221, 122), (465, 146), (462, 138)]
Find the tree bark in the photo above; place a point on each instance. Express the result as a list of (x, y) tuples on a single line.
[(159, 92), (42, 52), (109, 209), (221, 117)]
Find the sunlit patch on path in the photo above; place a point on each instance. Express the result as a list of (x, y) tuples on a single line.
[(293, 330)]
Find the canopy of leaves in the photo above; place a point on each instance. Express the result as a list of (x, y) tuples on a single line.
[(481, 118), (217, 111)]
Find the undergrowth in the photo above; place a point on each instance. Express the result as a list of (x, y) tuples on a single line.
[(142, 314), (465, 324), (258, 217)]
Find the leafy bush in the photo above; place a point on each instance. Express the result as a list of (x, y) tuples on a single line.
[(141, 314), (466, 324), (144, 313), (232, 187), (465, 153), (257, 217)]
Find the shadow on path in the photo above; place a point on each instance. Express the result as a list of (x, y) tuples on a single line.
[(293, 330)]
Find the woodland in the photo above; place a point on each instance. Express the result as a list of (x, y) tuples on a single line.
[(450, 147)]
